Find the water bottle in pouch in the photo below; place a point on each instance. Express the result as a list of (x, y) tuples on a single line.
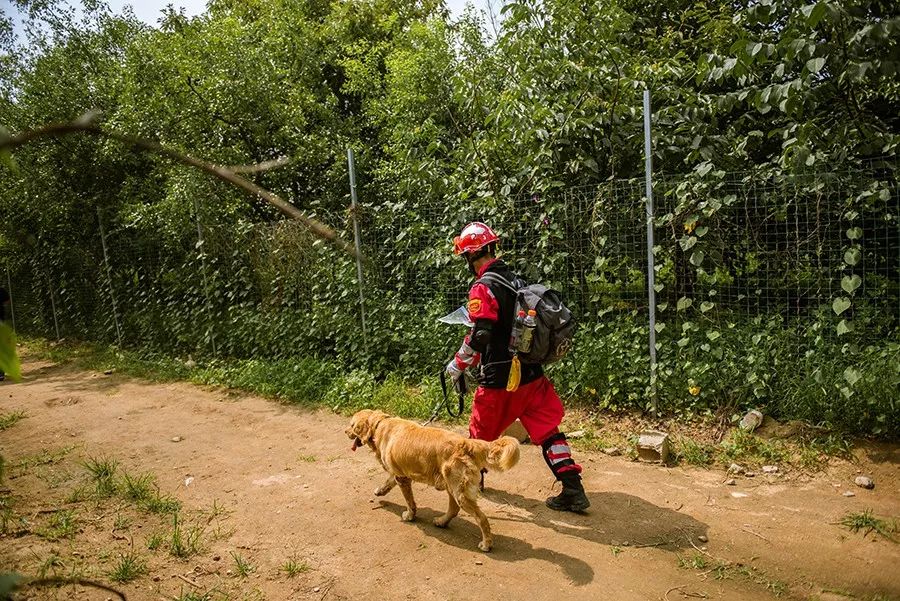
[(527, 335)]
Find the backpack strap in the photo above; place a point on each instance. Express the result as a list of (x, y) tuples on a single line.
[(496, 278)]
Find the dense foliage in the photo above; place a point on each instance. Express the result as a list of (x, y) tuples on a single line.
[(769, 112)]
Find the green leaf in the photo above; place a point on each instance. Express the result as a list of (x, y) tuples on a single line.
[(687, 242), (852, 256), (854, 233), (659, 327), (852, 376), (701, 231), (814, 65), (816, 14), (713, 335), (850, 283), (706, 306), (683, 303), (697, 258), (843, 328), (840, 305)]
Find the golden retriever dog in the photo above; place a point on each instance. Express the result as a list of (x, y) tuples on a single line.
[(409, 452)]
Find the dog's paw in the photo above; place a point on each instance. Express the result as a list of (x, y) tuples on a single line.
[(441, 522), (408, 516), (485, 546)]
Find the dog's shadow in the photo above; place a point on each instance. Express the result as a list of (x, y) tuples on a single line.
[(464, 534), (614, 519)]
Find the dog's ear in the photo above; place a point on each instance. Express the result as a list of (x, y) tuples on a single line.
[(375, 418)]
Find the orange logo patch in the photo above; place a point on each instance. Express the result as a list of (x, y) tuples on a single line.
[(474, 306)]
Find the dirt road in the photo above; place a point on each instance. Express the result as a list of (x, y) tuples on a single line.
[(275, 485)]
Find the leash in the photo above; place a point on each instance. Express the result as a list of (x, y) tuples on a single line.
[(445, 401)]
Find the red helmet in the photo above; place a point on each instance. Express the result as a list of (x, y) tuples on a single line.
[(474, 236)]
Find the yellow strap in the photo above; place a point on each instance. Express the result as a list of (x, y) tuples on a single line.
[(515, 374)]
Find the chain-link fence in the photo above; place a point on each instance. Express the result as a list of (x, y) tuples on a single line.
[(731, 248)]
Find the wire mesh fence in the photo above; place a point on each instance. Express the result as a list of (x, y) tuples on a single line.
[(734, 248)]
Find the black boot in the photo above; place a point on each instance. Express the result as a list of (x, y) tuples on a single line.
[(572, 497)]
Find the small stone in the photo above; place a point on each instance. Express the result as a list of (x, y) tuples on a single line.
[(730, 482), (478, 562), (316, 589), (229, 573), (177, 439), (703, 539), (734, 468), (750, 474), (770, 469), (625, 544), (575, 434), (849, 493), (865, 482), (612, 451), (156, 579), (739, 495), (217, 557), (108, 372)]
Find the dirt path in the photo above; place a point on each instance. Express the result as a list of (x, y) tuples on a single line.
[(268, 483)]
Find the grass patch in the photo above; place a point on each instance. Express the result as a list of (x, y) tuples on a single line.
[(307, 381), (44, 457), (292, 567), (155, 541), (103, 474), (745, 448), (8, 420), (242, 567), (50, 566), (694, 453), (185, 542), (62, 524), (129, 566), (867, 522)]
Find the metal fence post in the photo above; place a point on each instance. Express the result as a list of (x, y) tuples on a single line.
[(52, 305), (202, 247), (9, 290), (651, 279), (112, 293), (359, 270)]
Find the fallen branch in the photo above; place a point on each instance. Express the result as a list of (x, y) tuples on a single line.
[(745, 529), (85, 124)]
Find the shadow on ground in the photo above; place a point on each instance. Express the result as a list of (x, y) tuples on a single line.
[(464, 534)]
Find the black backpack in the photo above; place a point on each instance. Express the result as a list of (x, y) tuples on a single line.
[(554, 323)]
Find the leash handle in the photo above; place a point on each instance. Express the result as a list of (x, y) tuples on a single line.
[(461, 393)]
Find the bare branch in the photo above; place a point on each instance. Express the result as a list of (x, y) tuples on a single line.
[(84, 125), (260, 167)]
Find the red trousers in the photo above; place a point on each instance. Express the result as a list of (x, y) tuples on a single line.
[(535, 404)]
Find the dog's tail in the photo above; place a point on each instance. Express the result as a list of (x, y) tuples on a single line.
[(503, 453)]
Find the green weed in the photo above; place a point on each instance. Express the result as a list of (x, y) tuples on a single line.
[(7, 420), (184, 542), (138, 488), (50, 566), (242, 567), (129, 567), (867, 522), (103, 474), (292, 567), (155, 541), (62, 524), (746, 448), (693, 453)]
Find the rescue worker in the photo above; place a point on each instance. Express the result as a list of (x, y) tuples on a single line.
[(535, 402)]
